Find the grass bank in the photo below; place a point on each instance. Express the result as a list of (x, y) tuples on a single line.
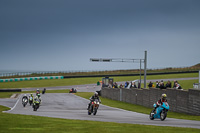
[(25, 123), (80, 81), (136, 108)]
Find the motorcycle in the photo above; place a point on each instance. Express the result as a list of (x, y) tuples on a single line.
[(72, 90), (36, 105), (160, 112), (30, 100), (93, 107), (24, 101), (43, 92)]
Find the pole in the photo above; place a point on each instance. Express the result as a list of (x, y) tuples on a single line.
[(140, 73), (199, 80), (145, 67)]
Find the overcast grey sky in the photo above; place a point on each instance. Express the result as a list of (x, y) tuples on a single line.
[(65, 34)]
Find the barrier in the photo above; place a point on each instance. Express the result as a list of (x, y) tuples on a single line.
[(10, 90), (31, 78), (181, 101)]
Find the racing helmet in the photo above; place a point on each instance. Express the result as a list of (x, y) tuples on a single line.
[(31, 94), (96, 94), (164, 96)]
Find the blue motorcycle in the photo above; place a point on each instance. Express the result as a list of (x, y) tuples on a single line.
[(160, 112)]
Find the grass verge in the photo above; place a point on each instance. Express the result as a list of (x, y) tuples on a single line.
[(16, 123), (80, 81), (136, 108)]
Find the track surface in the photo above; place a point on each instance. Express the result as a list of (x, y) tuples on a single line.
[(70, 106)]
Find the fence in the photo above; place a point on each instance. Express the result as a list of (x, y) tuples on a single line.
[(30, 78), (179, 100)]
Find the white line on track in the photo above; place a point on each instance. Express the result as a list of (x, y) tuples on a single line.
[(14, 105)]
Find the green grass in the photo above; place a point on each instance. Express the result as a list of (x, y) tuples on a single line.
[(6, 94), (80, 81), (136, 108), (15, 123)]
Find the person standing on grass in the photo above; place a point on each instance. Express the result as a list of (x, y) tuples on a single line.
[(168, 85)]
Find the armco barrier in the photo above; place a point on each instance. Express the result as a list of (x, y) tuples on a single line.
[(179, 100), (31, 78), (10, 90)]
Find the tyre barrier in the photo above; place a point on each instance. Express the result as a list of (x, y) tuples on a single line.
[(30, 78), (10, 90)]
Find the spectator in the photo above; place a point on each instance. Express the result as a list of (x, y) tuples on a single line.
[(115, 85), (178, 86), (157, 84), (133, 85), (126, 84), (121, 86), (175, 81), (162, 85), (168, 85), (150, 84)]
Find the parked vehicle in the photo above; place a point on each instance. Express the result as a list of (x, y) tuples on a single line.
[(160, 112)]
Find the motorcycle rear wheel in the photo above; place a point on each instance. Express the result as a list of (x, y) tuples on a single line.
[(89, 113)]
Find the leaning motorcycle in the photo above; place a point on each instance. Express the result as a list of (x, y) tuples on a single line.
[(160, 112), (24, 101), (93, 107)]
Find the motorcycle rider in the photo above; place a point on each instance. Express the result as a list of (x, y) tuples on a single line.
[(160, 101), (36, 100), (31, 95), (24, 97), (37, 92), (92, 98), (38, 96)]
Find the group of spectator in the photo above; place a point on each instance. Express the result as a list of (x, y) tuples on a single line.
[(161, 85), (126, 85)]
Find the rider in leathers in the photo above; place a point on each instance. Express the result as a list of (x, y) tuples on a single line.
[(160, 101), (92, 98)]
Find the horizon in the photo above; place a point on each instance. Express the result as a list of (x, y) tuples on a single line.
[(15, 71)]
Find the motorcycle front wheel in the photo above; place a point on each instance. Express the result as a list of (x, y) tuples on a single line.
[(95, 111), (151, 115), (163, 115)]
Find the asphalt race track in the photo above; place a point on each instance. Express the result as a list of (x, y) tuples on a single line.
[(70, 106)]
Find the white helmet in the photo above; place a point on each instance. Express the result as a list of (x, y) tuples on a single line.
[(96, 94)]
